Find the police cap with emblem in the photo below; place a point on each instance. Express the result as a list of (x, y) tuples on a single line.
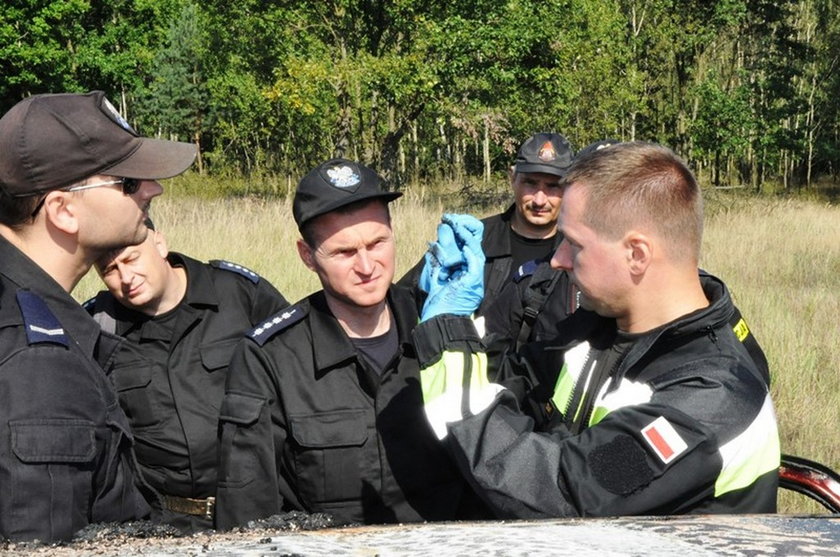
[(334, 184), (549, 153), (52, 141)]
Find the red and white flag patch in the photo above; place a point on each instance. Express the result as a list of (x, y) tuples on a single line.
[(664, 439)]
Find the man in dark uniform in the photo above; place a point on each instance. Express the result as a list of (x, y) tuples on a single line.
[(647, 402), (182, 319), (527, 230), (75, 182), (323, 410)]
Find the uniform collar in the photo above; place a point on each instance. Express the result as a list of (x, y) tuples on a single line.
[(496, 239), (26, 274), (335, 347), (201, 290)]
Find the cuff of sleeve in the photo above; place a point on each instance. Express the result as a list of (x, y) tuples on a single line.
[(444, 332)]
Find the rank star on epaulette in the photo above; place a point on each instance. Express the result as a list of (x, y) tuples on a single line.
[(275, 324), (235, 268)]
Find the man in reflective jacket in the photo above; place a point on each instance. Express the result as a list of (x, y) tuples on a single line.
[(75, 182), (182, 319), (647, 403), (323, 410)]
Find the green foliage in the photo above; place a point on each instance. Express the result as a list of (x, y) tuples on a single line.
[(425, 89)]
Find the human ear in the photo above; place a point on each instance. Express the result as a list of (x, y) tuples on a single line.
[(305, 253), (639, 249), (61, 212)]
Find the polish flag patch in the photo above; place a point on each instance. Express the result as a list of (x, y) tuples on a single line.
[(664, 439)]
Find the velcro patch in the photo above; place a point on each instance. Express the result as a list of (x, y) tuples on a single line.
[(664, 439), (273, 325), (236, 268), (620, 466)]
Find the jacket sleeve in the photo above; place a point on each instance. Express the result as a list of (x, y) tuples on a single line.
[(619, 466), (252, 433)]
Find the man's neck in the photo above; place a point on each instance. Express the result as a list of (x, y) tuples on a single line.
[(176, 289), (527, 229), (667, 301), (361, 322), (60, 257)]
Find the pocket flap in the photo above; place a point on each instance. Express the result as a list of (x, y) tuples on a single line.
[(134, 376), (40, 441), (240, 409), (215, 355), (335, 429)]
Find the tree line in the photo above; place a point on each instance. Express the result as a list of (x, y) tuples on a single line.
[(430, 89)]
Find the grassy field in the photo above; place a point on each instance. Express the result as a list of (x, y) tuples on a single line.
[(781, 259)]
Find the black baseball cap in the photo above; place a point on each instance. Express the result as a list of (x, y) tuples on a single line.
[(596, 146), (52, 141), (334, 184), (550, 153)]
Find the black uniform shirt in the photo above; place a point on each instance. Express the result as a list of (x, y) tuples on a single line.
[(307, 425), (65, 445), (171, 374)]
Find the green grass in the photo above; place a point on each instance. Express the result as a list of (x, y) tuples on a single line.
[(781, 259)]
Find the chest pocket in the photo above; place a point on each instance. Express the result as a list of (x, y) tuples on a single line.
[(329, 451), (216, 355), (141, 397)]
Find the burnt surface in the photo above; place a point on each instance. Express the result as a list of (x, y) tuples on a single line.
[(302, 534)]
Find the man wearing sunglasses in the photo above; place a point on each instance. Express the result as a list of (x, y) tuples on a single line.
[(76, 182)]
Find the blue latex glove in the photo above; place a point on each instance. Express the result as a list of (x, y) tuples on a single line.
[(455, 283), (443, 254)]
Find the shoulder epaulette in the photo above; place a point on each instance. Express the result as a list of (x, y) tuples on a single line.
[(41, 324), (526, 270), (276, 323), (236, 268), (89, 305)]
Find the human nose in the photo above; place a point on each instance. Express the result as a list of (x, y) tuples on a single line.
[(125, 274), (539, 197), (364, 264), (149, 189), (562, 258)]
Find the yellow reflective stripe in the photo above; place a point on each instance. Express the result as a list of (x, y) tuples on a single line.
[(752, 454), (442, 387), (563, 390), (741, 330), (574, 362)]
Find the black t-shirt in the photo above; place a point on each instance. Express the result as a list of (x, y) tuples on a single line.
[(378, 351), (527, 249)]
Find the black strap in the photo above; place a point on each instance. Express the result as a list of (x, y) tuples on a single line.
[(540, 287)]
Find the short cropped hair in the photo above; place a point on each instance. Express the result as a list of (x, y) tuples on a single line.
[(632, 184), (309, 229), (15, 212)]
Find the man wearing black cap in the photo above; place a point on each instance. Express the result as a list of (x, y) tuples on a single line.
[(182, 319), (323, 410), (527, 230), (75, 182)]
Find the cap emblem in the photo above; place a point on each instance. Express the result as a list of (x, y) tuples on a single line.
[(116, 116), (343, 177), (547, 152)]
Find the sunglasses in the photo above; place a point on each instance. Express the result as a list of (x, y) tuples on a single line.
[(129, 187)]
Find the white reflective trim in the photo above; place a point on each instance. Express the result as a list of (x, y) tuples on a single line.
[(752, 453)]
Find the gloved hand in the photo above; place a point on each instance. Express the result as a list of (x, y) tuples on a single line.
[(455, 278), (443, 254)]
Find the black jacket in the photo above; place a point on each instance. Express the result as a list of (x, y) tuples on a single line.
[(498, 266), (537, 301), (173, 400), (65, 447), (680, 423), (306, 425)]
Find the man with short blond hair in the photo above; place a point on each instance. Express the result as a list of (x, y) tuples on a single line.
[(646, 402)]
